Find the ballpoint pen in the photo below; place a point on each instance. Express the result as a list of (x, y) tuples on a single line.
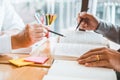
[(37, 18), (82, 19), (79, 25)]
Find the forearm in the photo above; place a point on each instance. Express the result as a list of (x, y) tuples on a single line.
[(110, 31)]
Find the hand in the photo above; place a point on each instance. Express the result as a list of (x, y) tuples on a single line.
[(89, 21), (101, 57), (30, 35)]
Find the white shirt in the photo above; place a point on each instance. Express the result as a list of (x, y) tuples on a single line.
[(8, 20)]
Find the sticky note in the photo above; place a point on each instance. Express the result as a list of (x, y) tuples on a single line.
[(20, 62), (40, 60)]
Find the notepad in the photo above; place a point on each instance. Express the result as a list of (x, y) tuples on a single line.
[(20, 62), (40, 60)]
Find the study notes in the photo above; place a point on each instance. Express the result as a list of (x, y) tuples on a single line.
[(77, 43)]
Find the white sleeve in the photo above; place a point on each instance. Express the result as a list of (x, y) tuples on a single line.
[(5, 44), (11, 18)]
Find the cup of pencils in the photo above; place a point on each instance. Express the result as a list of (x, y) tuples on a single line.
[(46, 19), (49, 20)]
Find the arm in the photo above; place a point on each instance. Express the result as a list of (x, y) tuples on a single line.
[(110, 31), (27, 37)]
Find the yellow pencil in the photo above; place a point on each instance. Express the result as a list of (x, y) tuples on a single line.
[(54, 18)]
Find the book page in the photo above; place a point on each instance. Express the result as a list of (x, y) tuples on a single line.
[(58, 77), (74, 50), (83, 37), (73, 69)]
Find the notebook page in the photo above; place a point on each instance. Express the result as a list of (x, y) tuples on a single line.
[(73, 69), (74, 50), (56, 77), (83, 37)]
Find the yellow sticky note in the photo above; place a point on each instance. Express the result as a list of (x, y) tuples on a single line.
[(20, 62)]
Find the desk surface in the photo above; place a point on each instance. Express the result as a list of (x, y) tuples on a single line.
[(34, 72)]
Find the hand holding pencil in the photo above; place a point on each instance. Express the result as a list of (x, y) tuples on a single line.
[(87, 21), (38, 20)]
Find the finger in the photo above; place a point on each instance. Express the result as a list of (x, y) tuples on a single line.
[(91, 53), (97, 49), (37, 25), (86, 15), (83, 14), (85, 27), (102, 63), (34, 40), (92, 58), (88, 59), (38, 35), (78, 20), (82, 25), (38, 30)]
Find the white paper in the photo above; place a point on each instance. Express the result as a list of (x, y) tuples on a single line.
[(75, 50), (75, 70), (56, 77), (83, 37)]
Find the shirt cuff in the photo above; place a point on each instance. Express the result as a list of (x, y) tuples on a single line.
[(5, 44)]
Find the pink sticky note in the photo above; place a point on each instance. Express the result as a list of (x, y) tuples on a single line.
[(40, 60)]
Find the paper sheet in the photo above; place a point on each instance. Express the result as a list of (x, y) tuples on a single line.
[(74, 50), (73, 69)]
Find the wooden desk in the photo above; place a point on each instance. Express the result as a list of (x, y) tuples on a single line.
[(9, 72), (32, 72)]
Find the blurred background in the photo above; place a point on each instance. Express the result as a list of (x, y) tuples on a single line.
[(67, 10)]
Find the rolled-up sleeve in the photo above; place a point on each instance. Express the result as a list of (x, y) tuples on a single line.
[(110, 31), (5, 44)]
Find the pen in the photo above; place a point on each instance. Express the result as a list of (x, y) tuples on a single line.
[(80, 22), (79, 25), (37, 18)]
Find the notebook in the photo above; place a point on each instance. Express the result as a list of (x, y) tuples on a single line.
[(76, 43), (71, 70)]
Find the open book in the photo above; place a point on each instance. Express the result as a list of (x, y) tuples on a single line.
[(77, 43), (74, 45), (71, 70)]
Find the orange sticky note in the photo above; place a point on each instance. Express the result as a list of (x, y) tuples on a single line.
[(20, 62), (40, 60)]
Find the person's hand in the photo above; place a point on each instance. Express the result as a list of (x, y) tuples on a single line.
[(89, 22), (30, 35), (101, 57)]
